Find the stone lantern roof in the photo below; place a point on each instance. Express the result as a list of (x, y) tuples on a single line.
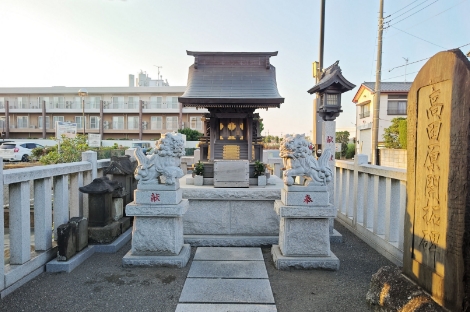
[(332, 78)]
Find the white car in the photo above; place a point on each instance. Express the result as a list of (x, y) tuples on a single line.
[(17, 151)]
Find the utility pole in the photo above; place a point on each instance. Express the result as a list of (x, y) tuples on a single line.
[(378, 74), (317, 122)]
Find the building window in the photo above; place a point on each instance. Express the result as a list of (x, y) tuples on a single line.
[(172, 102), (45, 99), (118, 122), (94, 122), (40, 122), (132, 102), (364, 110), (397, 104), (195, 123), (58, 118), (22, 102), (156, 123), (22, 122), (93, 102), (117, 102), (156, 102), (58, 102), (2, 102), (172, 123), (79, 121), (133, 123)]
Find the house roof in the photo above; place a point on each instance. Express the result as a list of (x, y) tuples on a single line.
[(332, 75), (385, 87), (389, 86), (218, 78)]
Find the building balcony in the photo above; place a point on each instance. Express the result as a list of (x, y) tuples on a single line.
[(396, 111), (364, 114)]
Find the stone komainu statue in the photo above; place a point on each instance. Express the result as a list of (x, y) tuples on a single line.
[(163, 163), (299, 161)]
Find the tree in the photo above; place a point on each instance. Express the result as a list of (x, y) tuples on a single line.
[(70, 151), (343, 138), (261, 127), (395, 135), (191, 135)]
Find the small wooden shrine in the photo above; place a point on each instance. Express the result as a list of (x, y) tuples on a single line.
[(231, 85)]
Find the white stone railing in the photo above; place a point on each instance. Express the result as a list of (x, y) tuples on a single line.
[(31, 248), (371, 202)]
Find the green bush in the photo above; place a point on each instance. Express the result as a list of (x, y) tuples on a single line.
[(350, 151), (402, 132), (260, 168), (395, 135), (199, 168), (191, 135)]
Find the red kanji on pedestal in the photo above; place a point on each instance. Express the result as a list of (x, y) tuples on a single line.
[(308, 199), (329, 139), (154, 197)]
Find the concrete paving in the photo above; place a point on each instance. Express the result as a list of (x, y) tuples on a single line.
[(102, 284), (228, 277)]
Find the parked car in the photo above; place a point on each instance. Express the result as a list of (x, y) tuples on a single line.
[(17, 151)]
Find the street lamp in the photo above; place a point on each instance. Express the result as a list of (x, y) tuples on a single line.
[(82, 93)]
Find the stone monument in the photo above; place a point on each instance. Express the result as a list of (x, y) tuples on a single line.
[(304, 210), (158, 207), (437, 220)]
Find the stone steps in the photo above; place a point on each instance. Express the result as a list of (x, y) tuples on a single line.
[(227, 279)]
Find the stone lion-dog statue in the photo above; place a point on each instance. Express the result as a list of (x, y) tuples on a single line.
[(164, 162), (299, 161)]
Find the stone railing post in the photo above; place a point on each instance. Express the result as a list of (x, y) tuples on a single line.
[(20, 251), (358, 191), (91, 157), (42, 214)]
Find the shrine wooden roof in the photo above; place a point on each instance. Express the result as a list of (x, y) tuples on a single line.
[(231, 79), (332, 76)]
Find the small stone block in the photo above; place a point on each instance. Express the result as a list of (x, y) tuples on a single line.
[(125, 223), (157, 236), (158, 197), (82, 231), (105, 234), (228, 269), (285, 263), (304, 211), (262, 180), (214, 307), (202, 290), (133, 209), (310, 198), (229, 240), (304, 237), (178, 261), (66, 241), (228, 253), (117, 208), (198, 180), (158, 186)]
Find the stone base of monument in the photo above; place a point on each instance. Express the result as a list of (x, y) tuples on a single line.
[(180, 260), (282, 262), (304, 235), (157, 234), (104, 234)]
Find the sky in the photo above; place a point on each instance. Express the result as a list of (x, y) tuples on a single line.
[(98, 43)]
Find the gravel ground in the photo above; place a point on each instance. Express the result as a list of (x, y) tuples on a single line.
[(102, 284)]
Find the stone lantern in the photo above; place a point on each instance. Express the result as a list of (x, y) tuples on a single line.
[(329, 89)]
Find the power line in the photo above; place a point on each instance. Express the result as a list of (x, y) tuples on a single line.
[(431, 17), (407, 11), (412, 14), (401, 75), (403, 8), (424, 58), (418, 37)]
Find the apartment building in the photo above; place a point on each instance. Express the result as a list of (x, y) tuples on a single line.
[(143, 112), (393, 103)]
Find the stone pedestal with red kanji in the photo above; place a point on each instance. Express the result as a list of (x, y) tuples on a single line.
[(304, 238), (157, 234)]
